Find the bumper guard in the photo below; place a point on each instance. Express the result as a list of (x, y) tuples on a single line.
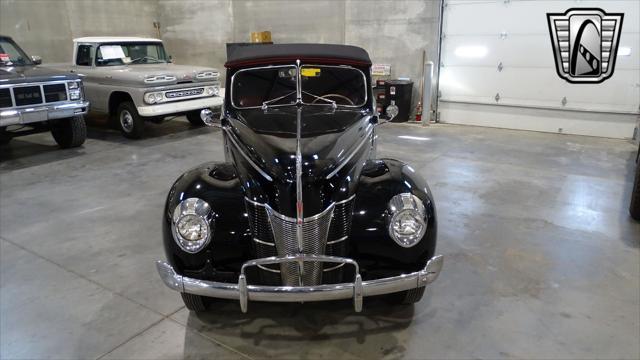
[(355, 290)]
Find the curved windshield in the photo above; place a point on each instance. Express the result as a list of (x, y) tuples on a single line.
[(278, 86), (11, 54), (271, 86), (130, 53), (333, 84)]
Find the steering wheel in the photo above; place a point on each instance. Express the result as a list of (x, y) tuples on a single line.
[(333, 95)]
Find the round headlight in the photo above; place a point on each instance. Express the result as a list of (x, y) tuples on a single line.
[(407, 223), (192, 224), (150, 98)]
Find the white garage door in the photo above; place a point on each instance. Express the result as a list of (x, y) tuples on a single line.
[(498, 70)]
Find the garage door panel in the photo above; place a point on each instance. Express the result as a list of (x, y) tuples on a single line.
[(522, 17), (539, 86), (519, 51), (479, 35)]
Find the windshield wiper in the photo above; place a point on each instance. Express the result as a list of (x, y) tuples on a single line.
[(265, 104), (333, 103)]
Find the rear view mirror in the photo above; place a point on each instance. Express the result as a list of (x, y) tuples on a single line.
[(37, 60)]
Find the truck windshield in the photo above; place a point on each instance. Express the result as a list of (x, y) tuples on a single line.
[(11, 54), (130, 53), (320, 85)]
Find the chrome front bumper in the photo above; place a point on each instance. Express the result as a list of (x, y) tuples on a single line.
[(175, 107), (38, 113), (355, 290)]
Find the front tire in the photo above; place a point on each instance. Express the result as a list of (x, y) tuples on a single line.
[(634, 207), (69, 133), (130, 122), (194, 118), (195, 303)]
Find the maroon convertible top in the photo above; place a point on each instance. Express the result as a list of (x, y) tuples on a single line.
[(240, 55)]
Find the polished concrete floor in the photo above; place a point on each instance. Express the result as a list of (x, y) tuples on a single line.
[(541, 258)]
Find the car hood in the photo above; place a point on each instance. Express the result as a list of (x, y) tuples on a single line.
[(31, 73), (332, 144), (136, 74)]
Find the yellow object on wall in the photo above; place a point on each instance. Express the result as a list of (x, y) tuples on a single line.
[(260, 36)]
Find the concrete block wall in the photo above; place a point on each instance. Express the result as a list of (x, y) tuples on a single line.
[(47, 27), (196, 31)]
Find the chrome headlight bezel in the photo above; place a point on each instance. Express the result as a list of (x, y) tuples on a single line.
[(155, 97), (406, 204), (193, 209)]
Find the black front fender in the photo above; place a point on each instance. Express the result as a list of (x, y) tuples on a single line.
[(218, 185), (370, 239)]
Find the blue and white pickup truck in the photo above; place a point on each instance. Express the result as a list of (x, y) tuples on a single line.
[(35, 99)]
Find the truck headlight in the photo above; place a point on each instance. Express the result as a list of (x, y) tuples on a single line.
[(153, 97), (72, 85), (407, 224), (74, 94), (192, 224), (212, 90)]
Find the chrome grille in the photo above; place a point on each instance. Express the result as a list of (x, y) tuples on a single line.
[(314, 240), (324, 234)]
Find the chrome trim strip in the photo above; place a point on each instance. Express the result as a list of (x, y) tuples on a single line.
[(299, 204), (338, 240), (333, 267), (243, 292), (38, 83), (253, 164), (290, 219), (351, 155), (263, 242), (268, 269)]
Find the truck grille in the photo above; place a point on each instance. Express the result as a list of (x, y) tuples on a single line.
[(5, 98), (183, 93), (55, 92), (323, 234), (27, 95)]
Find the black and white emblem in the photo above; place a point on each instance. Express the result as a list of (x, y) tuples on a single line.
[(585, 44)]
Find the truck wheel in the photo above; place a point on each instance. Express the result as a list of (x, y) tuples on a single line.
[(194, 118), (70, 132), (130, 122), (634, 208), (194, 303), (406, 297)]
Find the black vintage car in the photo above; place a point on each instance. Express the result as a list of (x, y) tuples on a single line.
[(35, 99), (301, 210)]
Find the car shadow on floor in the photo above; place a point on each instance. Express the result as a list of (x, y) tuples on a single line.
[(316, 323), (24, 152), (99, 127)]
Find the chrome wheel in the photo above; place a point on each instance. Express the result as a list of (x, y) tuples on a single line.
[(126, 121)]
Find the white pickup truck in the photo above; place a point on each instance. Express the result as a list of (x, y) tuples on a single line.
[(134, 80)]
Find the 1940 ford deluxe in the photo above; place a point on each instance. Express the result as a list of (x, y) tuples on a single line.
[(301, 210)]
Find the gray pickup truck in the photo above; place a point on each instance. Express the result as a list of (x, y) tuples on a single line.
[(34, 99), (134, 80)]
